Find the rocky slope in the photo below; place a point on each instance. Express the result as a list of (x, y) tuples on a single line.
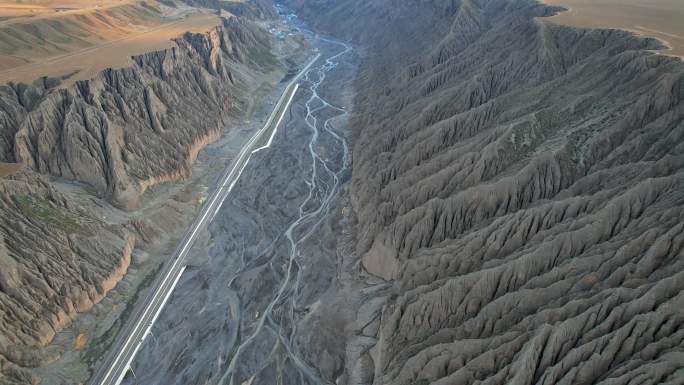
[(131, 128), (521, 185), (119, 134), (57, 260)]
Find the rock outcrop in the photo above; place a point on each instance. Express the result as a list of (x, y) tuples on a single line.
[(521, 185), (130, 128)]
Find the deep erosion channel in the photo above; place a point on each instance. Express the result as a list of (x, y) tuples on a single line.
[(239, 306)]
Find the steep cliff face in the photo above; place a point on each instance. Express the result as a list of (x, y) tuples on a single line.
[(130, 128), (521, 186)]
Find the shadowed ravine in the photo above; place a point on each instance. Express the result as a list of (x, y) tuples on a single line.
[(233, 318)]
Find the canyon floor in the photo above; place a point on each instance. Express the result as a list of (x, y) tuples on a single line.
[(274, 283), (80, 346)]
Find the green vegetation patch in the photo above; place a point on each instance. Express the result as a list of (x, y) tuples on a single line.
[(263, 57), (203, 197), (47, 212)]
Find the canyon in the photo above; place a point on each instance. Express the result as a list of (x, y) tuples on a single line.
[(78, 133), (461, 192)]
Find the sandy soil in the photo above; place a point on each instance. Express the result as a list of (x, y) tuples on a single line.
[(77, 42), (18, 10), (111, 54), (30, 8), (661, 19)]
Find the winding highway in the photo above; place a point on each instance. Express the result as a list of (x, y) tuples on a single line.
[(115, 366)]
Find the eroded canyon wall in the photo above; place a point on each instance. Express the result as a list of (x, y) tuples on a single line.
[(57, 260), (521, 185), (133, 127)]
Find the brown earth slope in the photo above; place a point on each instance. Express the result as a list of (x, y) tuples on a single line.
[(521, 185)]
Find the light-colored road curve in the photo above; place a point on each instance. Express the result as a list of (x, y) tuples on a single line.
[(116, 365)]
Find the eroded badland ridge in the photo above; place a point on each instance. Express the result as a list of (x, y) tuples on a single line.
[(520, 184), (131, 128)]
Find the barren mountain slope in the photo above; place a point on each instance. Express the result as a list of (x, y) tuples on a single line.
[(130, 128), (57, 31), (521, 184)]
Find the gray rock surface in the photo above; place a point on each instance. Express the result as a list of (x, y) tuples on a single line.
[(520, 185)]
